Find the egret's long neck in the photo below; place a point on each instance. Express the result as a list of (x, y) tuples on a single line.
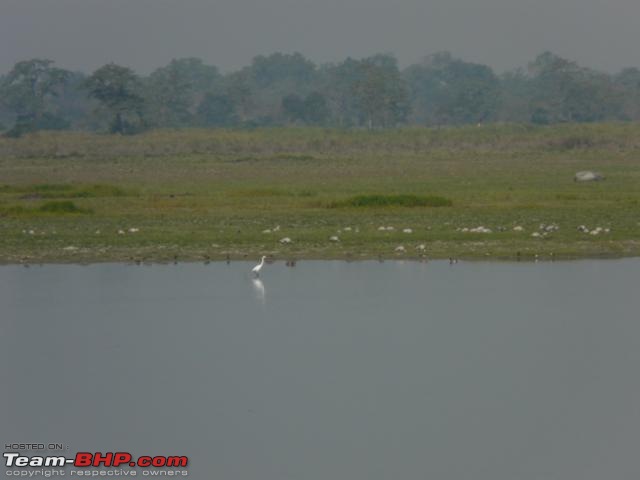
[(262, 261)]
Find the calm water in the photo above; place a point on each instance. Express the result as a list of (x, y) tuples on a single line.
[(331, 370)]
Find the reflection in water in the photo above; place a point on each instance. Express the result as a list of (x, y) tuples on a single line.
[(258, 286)]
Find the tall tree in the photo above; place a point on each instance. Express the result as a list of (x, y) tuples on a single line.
[(368, 92), (445, 90), (337, 86), (311, 110), (238, 88), (217, 110), (562, 91), (267, 80), (278, 67), (174, 91), (119, 90), (628, 81), (380, 91), (28, 89)]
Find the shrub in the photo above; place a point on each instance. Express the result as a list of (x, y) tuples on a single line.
[(62, 207), (393, 201)]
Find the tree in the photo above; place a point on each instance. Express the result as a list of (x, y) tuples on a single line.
[(259, 88), (337, 86), (445, 90), (217, 110), (368, 92), (316, 109), (279, 67), (562, 91), (72, 101), (119, 90), (628, 82), (28, 91), (174, 91), (380, 91), (238, 88), (293, 107), (515, 93), (312, 110)]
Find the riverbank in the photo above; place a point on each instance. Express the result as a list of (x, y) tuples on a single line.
[(197, 195)]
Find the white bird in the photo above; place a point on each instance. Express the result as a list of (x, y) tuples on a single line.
[(257, 268)]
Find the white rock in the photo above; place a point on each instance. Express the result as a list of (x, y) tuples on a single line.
[(347, 229), (587, 176), (400, 248), (266, 231), (134, 230), (70, 248), (382, 229), (285, 240), (334, 238), (518, 228), (277, 227), (407, 230), (595, 232), (120, 232), (421, 247), (480, 229), (535, 234)]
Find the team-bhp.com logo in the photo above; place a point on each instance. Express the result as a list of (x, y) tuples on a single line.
[(86, 459)]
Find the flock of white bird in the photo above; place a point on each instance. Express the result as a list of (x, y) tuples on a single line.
[(543, 231)]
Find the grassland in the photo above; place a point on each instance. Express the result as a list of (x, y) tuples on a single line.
[(215, 194)]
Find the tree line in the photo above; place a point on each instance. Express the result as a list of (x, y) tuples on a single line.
[(288, 89)]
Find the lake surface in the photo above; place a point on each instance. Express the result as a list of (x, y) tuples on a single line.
[(331, 370)]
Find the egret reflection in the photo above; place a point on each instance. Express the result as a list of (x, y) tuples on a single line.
[(258, 287)]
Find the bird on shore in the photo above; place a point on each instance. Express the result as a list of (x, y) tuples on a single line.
[(257, 268)]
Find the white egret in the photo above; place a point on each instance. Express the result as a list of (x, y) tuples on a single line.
[(257, 268)]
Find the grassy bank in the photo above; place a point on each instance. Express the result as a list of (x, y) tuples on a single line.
[(200, 194)]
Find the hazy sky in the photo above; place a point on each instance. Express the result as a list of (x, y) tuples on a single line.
[(145, 34)]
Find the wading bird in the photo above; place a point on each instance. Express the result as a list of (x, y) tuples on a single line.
[(257, 268)]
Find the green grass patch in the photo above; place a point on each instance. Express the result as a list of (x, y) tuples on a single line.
[(62, 207), (14, 211), (63, 190), (393, 201), (567, 197), (272, 192), (260, 192), (65, 207)]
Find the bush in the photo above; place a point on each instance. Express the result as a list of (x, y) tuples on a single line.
[(62, 207), (393, 201)]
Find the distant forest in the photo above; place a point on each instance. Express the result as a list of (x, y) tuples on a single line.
[(288, 89)]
